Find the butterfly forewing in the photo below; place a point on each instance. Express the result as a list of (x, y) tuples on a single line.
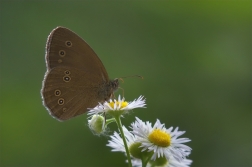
[(65, 48)]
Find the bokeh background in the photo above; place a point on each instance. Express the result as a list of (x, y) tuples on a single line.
[(195, 57)]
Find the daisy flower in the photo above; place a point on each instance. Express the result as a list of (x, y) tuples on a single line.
[(117, 107), (116, 142), (170, 163), (163, 142)]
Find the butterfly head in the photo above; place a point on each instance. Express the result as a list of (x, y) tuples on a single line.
[(115, 84)]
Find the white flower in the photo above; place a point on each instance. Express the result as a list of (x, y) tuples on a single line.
[(170, 163), (116, 142), (119, 106), (136, 162), (174, 163), (163, 142)]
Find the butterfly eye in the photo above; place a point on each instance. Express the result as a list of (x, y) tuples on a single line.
[(61, 101), (62, 53), (67, 72), (66, 78), (68, 43), (57, 92)]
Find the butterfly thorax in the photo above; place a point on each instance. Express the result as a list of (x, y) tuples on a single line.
[(114, 84), (107, 90)]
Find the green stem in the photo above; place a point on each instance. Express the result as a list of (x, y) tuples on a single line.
[(108, 121), (119, 124), (145, 160)]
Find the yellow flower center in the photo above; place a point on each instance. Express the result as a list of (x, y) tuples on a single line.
[(160, 138), (123, 104)]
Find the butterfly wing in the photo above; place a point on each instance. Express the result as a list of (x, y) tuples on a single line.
[(68, 92), (65, 48)]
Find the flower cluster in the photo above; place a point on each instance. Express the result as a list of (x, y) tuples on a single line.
[(161, 144), (144, 144)]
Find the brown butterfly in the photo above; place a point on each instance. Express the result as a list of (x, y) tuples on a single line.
[(75, 78)]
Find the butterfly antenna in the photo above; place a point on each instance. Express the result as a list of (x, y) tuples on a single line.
[(122, 90), (138, 76), (121, 80)]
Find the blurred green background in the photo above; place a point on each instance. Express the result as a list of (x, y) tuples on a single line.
[(195, 57)]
